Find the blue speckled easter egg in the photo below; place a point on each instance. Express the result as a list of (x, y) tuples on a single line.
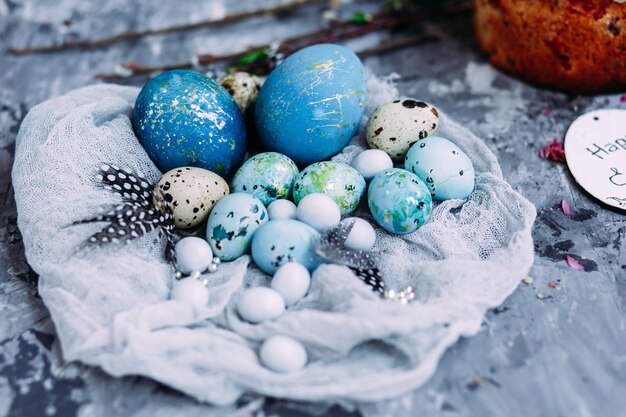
[(281, 241), (183, 118), (310, 106), (337, 180), (399, 201), (446, 169), (268, 176), (232, 224)]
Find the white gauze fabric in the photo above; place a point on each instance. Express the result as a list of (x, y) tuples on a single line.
[(110, 304)]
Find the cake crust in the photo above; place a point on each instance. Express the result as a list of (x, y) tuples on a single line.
[(576, 46)]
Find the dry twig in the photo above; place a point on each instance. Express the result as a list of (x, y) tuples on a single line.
[(339, 32)]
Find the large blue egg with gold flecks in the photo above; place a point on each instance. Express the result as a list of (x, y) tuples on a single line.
[(232, 223), (183, 118), (310, 106)]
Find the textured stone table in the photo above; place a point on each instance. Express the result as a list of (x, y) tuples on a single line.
[(556, 347)]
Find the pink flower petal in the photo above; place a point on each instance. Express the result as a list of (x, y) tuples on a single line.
[(565, 207), (623, 98), (553, 151), (573, 263)]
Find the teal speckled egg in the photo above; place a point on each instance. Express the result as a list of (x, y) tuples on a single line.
[(399, 201), (337, 180), (311, 105), (281, 241), (268, 176), (446, 169), (183, 118), (232, 223)]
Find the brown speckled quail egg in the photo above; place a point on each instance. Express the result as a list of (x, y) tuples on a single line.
[(395, 126), (190, 193), (243, 87)]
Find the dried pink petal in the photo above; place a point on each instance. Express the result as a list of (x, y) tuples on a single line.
[(553, 151), (565, 207), (573, 263)]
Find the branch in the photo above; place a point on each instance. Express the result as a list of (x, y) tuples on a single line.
[(340, 32), (125, 36)]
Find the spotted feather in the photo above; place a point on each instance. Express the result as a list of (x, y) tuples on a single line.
[(136, 215), (332, 249)]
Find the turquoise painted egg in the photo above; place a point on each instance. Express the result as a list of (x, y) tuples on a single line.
[(183, 118), (310, 106), (337, 180), (399, 201), (232, 224), (268, 176), (280, 241), (443, 166)]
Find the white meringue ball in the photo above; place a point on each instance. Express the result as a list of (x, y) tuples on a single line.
[(281, 210), (191, 291), (292, 281), (362, 236), (259, 304), (318, 211), (193, 254), (370, 162), (283, 354)]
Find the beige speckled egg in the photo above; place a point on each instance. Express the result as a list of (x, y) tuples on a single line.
[(190, 193), (243, 87), (395, 126)]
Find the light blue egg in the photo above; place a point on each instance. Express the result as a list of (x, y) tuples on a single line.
[(268, 176), (399, 201), (310, 106), (337, 180), (232, 224), (183, 118), (281, 241), (447, 170)]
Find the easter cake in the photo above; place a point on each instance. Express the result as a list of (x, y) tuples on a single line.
[(569, 45)]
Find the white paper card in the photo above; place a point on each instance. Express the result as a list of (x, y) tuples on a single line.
[(595, 150)]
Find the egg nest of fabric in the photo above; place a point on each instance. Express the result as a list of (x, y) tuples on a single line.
[(111, 305)]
